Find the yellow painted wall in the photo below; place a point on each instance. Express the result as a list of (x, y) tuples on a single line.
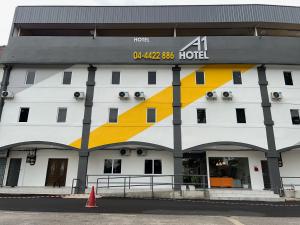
[(133, 121)]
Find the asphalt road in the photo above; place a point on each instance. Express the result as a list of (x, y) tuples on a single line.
[(151, 206)]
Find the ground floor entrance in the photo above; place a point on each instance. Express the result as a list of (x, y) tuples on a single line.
[(56, 172), (226, 169), (229, 172), (2, 170), (13, 172), (266, 175)]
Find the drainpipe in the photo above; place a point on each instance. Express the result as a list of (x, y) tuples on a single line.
[(4, 85)]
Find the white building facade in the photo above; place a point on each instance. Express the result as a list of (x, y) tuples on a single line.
[(174, 95)]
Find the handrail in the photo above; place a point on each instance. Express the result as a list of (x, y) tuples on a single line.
[(75, 187), (289, 184), (292, 184), (129, 181)]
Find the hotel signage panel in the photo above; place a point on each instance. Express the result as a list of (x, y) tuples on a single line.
[(194, 50), (152, 50)]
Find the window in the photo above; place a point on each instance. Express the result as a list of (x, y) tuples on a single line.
[(61, 115), (151, 77), (30, 77), (240, 116), (237, 77), (199, 77), (112, 165), (153, 166), (24, 115), (295, 116), (67, 77), (201, 116), (115, 78), (288, 80), (113, 115), (151, 115)]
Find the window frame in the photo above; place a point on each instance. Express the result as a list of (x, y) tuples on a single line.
[(236, 112), (119, 78), (109, 111), (153, 166), (112, 166), (20, 110), (204, 80), (152, 72), (63, 77), (26, 77), (285, 80), (297, 110), (58, 110), (155, 116), (233, 77), (204, 109)]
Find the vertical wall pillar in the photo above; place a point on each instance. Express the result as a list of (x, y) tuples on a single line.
[(178, 170), (4, 84), (272, 155), (86, 127)]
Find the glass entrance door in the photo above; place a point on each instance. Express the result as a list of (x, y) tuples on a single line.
[(229, 172)]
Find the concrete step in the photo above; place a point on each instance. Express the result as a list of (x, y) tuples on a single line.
[(246, 195), (248, 199), (240, 193), (36, 190)]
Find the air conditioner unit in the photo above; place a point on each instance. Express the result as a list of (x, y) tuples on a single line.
[(7, 94), (141, 152), (78, 95), (211, 95), (123, 95), (276, 95), (125, 152), (139, 95), (227, 95)]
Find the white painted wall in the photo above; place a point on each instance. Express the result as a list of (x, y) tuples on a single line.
[(44, 97), (286, 134), (254, 160), (36, 175), (221, 122), (291, 167), (131, 165)]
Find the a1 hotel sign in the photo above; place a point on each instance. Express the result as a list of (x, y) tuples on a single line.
[(194, 50)]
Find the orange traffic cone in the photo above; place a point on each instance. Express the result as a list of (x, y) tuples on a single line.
[(91, 202)]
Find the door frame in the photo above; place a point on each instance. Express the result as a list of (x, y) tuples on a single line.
[(65, 172), (268, 174), (8, 169)]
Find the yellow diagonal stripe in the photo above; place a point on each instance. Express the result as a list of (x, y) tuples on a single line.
[(133, 121)]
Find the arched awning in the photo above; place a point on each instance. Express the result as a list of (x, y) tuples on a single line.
[(224, 146), (132, 145)]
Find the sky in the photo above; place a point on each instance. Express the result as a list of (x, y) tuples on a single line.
[(8, 6)]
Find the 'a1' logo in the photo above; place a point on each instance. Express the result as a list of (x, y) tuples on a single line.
[(190, 52)]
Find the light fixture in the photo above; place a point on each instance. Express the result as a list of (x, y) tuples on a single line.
[(31, 157), (219, 163)]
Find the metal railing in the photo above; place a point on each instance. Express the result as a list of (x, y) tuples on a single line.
[(289, 183), (75, 186), (126, 182)]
